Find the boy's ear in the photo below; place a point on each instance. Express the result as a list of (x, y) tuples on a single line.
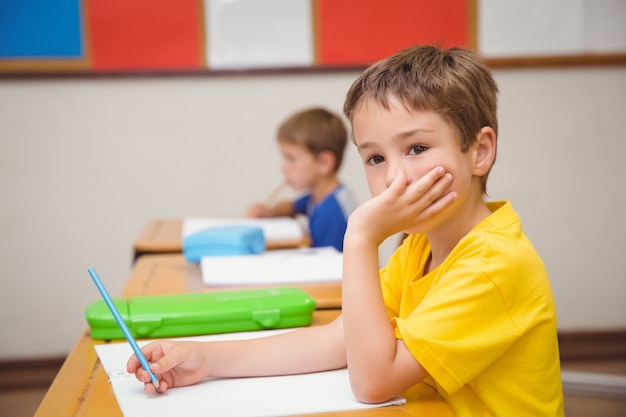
[(326, 161), (484, 150)]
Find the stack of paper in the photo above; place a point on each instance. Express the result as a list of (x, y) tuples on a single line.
[(237, 397), (274, 228), (287, 266)]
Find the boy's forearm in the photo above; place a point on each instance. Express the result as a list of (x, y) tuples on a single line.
[(370, 342), (380, 366), (282, 209), (311, 349)]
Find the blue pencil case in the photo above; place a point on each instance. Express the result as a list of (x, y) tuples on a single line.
[(224, 240)]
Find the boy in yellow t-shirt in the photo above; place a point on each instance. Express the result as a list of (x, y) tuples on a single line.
[(464, 307)]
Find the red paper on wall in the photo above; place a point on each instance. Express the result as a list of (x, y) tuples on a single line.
[(357, 32), (144, 34)]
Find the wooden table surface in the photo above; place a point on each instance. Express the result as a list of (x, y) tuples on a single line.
[(81, 387), (172, 274), (165, 236)]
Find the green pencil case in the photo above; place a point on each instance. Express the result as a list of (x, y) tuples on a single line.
[(156, 316)]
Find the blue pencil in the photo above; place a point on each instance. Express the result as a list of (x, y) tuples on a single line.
[(123, 326)]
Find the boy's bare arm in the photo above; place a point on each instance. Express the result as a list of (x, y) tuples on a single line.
[(380, 365), (312, 349), (185, 363), (280, 209)]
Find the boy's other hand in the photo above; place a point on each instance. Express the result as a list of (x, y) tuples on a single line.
[(403, 205), (257, 210), (175, 364)]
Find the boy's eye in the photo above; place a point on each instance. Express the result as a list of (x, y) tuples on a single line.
[(417, 149), (376, 159)]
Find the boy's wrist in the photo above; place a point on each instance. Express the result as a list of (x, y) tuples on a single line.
[(360, 236)]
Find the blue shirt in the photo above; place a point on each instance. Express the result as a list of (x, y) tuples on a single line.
[(328, 219)]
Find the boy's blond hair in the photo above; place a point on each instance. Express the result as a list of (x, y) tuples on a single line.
[(453, 83), (317, 130)]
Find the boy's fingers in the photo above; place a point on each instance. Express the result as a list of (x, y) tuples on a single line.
[(399, 182), (443, 183), (152, 352), (132, 365), (438, 205), (166, 362), (151, 389), (432, 176), (429, 186)]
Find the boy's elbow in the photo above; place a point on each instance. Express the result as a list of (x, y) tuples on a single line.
[(371, 391)]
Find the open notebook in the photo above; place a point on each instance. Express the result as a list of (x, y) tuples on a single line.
[(288, 266), (237, 397)]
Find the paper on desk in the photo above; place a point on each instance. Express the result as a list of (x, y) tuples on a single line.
[(237, 397), (288, 266), (274, 228)]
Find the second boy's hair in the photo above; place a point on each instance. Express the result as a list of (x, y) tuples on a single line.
[(453, 83), (317, 130)]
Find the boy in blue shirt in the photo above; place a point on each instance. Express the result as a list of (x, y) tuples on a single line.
[(312, 143)]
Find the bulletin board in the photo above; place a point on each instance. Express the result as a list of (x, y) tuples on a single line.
[(205, 36), (103, 36)]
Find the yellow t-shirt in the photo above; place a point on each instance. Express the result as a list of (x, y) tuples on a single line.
[(483, 323)]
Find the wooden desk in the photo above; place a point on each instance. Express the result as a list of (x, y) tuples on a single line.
[(160, 236), (165, 236), (172, 274), (81, 387)]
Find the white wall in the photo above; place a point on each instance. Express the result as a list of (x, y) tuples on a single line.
[(85, 163)]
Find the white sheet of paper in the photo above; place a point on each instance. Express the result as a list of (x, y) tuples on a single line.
[(274, 228), (286, 266), (236, 397)]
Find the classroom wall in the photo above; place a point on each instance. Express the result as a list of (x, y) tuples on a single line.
[(86, 162)]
